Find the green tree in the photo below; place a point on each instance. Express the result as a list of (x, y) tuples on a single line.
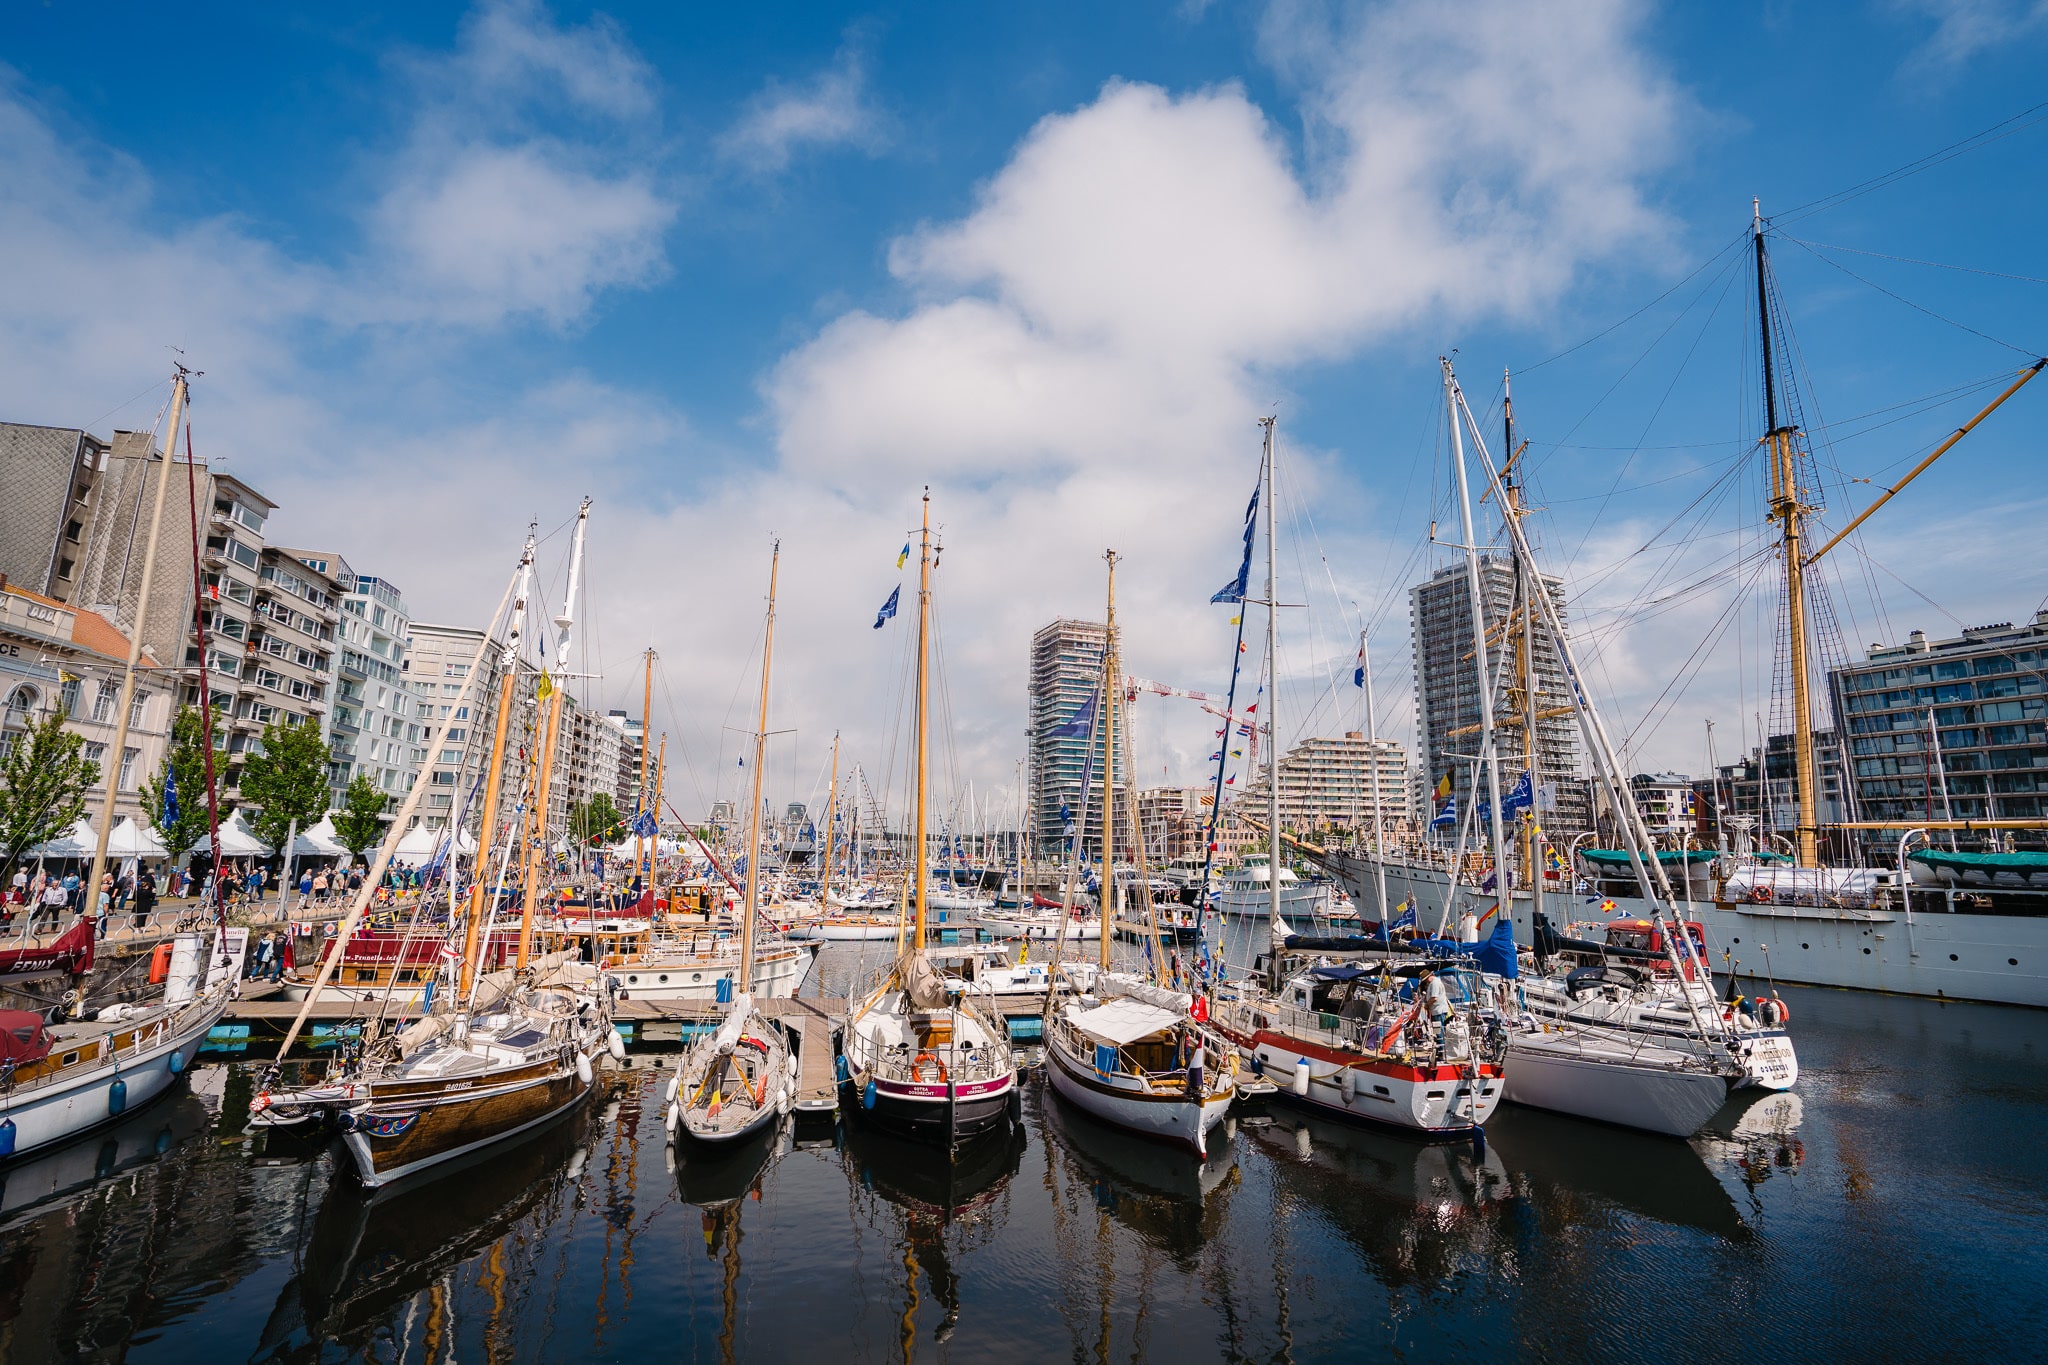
[(43, 779), (597, 821), (357, 826), (186, 758), (287, 780)]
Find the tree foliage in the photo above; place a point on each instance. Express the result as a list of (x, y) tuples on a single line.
[(184, 757), (43, 780), (357, 826), (287, 780), (597, 821)]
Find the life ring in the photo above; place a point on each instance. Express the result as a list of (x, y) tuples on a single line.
[(1784, 1010), (160, 964), (917, 1066), (1760, 894)]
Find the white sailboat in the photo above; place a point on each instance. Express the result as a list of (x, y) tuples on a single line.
[(741, 1078)]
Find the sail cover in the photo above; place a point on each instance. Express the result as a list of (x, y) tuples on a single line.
[(1122, 1021)]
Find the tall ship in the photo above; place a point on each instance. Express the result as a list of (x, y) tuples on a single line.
[(1915, 919)]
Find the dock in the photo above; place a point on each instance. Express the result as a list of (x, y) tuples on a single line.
[(811, 1020)]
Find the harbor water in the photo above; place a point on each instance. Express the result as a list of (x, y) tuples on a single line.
[(1892, 1207)]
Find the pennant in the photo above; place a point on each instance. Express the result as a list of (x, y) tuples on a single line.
[(1237, 620), (1216, 757), (545, 688), (170, 811), (904, 557), (889, 607)]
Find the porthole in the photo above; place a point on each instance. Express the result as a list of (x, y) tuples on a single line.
[(1806, 945), (632, 981), (696, 976), (664, 978), (1866, 952), (1735, 940), (1952, 957), (2012, 962)]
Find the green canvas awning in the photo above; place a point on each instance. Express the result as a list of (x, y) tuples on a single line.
[(1670, 857), (1982, 862)]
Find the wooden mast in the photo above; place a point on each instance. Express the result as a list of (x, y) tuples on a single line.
[(640, 858), (753, 906), (654, 839), (1273, 921), (1526, 583), (487, 830), (1109, 697), (924, 612), (553, 701), (110, 771), (831, 820)]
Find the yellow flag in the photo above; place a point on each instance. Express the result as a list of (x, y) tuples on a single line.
[(545, 688), (1237, 620)]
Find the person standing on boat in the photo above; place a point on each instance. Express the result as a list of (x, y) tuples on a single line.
[(1195, 1061), (1436, 1001), (1468, 926)]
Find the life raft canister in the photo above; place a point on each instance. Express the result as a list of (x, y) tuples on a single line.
[(160, 964)]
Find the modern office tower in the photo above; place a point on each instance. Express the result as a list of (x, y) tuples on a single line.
[(1065, 672)]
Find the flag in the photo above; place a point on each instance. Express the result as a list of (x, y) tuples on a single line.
[(1233, 591), (170, 811), (1241, 648), (1078, 728), (545, 688), (1237, 620), (1230, 781), (903, 557), (644, 824), (1491, 878), (1521, 797), (1443, 787), (1447, 814), (1405, 919), (1555, 860), (1237, 753), (1216, 757), (889, 607), (1358, 670)]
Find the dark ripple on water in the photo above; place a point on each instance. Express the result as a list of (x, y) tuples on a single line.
[(1814, 1223)]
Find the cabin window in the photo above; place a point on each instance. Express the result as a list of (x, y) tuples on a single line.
[(68, 1059), (362, 974)]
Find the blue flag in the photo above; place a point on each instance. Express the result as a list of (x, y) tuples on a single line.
[(1446, 814), (644, 825), (170, 814), (889, 607), (1404, 920), (1233, 591), (1521, 797), (1358, 669), (1079, 726)]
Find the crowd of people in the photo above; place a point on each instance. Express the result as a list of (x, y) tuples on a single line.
[(39, 898)]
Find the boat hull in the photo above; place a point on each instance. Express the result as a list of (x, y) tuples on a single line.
[(1043, 930), (1177, 1119), (1671, 1100), (410, 1126), (929, 1114), (1429, 1101), (47, 1113), (777, 976)]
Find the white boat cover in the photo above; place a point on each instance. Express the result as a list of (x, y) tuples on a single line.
[(130, 840), (728, 1036), (1124, 984), (1117, 1022), (1804, 885)]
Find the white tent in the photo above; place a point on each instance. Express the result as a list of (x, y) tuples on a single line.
[(319, 841), (131, 840), (421, 842), (237, 840), (77, 842)]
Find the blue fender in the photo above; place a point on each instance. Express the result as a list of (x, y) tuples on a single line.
[(117, 1096)]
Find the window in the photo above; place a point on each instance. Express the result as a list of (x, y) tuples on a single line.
[(94, 752), (266, 678), (135, 709), (241, 553), (451, 690), (454, 671), (64, 568), (68, 696), (72, 531), (461, 712), (127, 779), (103, 702)]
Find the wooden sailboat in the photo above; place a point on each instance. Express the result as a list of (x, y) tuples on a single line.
[(919, 1054), (503, 1052), (740, 1079), (1128, 1050)]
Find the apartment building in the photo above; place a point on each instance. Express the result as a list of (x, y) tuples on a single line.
[(1337, 785), (1065, 672)]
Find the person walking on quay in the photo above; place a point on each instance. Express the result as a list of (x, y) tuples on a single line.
[(355, 879), (145, 897), (259, 961), (319, 885), (56, 900), (71, 897)]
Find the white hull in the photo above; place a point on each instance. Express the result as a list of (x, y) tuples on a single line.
[(1304, 901), (1654, 1090), (1179, 1121), (46, 1113), (777, 975), (1054, 929), (2002, 959), (830, 932)]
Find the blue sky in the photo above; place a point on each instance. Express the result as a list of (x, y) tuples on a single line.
[(739, 271)]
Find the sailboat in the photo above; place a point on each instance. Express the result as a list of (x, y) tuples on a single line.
[(919, 1054), (60, 1080), (1125, 1049), (739, 1080), (501, 1053), (1418, 1046)]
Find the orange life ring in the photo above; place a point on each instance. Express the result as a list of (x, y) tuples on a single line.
[(917, 1066), (160, 964), (1760, 894)]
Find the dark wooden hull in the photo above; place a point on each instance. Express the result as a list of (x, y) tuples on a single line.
[(413, 1125)]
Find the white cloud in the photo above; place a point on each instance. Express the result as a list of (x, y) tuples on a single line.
[(832, 108), (525, 184), (1965, 28)]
